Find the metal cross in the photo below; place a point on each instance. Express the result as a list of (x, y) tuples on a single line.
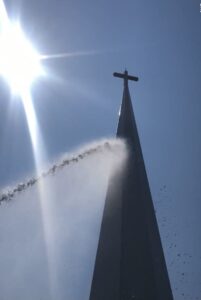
[(125, 76)]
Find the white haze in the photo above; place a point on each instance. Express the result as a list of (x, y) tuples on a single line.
[(49, 231)]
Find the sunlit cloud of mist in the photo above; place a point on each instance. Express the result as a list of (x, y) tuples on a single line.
[(57, 263)]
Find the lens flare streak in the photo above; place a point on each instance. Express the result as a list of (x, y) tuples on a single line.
[(20, 65)]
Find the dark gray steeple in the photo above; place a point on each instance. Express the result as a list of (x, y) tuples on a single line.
[(130, 263)]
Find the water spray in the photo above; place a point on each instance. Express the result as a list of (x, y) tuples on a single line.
[(109, 145)]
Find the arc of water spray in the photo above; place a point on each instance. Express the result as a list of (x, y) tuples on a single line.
[(56, 167)]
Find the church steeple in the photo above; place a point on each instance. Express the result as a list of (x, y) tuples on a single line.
[(130, 263)]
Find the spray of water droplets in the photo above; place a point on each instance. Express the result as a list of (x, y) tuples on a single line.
[(109, 145)]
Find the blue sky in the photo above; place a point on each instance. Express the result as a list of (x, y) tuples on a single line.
[(159, 41)]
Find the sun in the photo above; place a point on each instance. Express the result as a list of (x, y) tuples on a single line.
[(19, 61)]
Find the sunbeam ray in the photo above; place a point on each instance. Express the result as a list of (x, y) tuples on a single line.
[(39, 154), (70, 54)]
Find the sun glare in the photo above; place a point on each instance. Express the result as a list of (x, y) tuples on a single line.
[(19, 61)]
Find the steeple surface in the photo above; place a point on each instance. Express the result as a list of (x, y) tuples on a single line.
[(130, 263)]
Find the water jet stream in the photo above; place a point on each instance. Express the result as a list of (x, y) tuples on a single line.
[(108, 145)]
